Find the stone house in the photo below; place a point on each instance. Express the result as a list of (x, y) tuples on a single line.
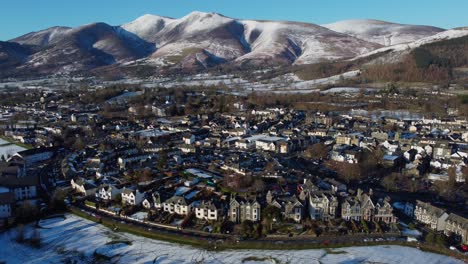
[(430, 215), (240, 210)]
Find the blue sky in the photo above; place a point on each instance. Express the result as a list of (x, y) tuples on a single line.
[(18, 17)]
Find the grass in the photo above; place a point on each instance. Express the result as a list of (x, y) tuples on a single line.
[(26, 146)]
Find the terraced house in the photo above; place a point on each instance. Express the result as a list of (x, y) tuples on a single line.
[(240, 211), (322, 206), (430, 215), (457, 226), (358, 208)]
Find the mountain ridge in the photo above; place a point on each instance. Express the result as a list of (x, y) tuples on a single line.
[(199, 40)]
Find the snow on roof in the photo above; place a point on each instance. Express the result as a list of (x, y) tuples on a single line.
[(191, 195), (199, 173), (4, 190), (181, 191)]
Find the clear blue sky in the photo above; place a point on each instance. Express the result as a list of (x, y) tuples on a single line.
[(18, 17)]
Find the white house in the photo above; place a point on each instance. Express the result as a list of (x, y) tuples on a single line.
[(132, 197), (176, 205), (83, 187), (108, 192), (206, 210), (189, 139), (152, 201)]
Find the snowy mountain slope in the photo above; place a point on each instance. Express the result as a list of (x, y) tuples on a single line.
[(208, 33), (147, 26), (383, 33), (43, 37), (299, 43), (396, 52), (12, 55), (202, 40), (87, 47)]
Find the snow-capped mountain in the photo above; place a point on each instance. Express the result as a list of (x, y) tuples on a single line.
[(198, 40), (43, 37), (397, 52), (383, 33)]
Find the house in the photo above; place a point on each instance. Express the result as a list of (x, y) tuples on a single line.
[(108, 192), (358, 208), (430, 215), (322, 206), (291, 207), (188, 139), (31, 156), (332, 185), (441, 151), (176, 205), (83, 187), (7, 201), (457, 226), (408, 209), (269, 143), (123, 161), (240, 211), (13, 176), (207, 210), (383, 212), (131, 196), (151, 201)]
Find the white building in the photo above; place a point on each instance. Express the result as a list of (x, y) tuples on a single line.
[(206, 210), (132, 197), (176, 205), (108, 192)]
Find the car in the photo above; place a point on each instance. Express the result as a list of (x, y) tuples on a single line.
[(464, 248)]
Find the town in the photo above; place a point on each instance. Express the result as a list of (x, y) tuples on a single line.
[(244, 166)]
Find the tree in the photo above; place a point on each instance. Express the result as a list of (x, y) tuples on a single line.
[(162, 161), (36, 238), (259, 185), (430, 238), (452, 177), (389, 182), (317, 151), (20, 234), (247, 228), (271, 212), (146, 176)]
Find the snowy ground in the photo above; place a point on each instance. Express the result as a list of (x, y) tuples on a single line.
[(8, 149), (76, 239)]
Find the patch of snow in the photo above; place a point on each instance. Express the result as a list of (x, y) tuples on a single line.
[(381, 32), (78, 239)]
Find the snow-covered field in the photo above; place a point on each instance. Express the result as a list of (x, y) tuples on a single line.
[(76, 239), (8, 149)]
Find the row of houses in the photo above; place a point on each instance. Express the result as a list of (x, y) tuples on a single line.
[(440, 220)]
